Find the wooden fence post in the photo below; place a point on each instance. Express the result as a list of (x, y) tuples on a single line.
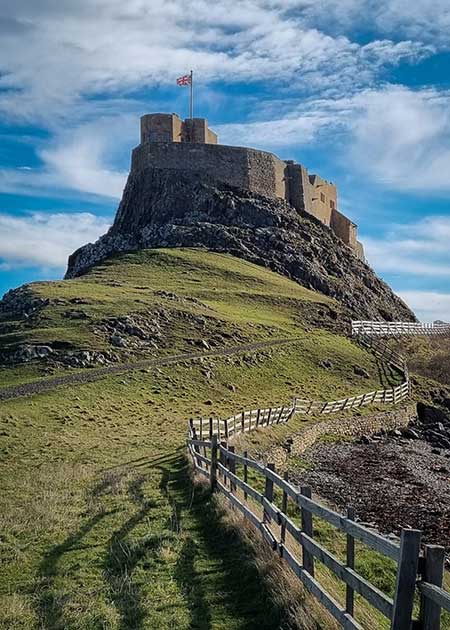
[(210, 428), (257, 417), (197, 462), (284, 506), (405, 585), (242, 421), (225, 422), (232, 468), (213, 469), (268, 492), (350, 594), (223, 461), (433, 573), (245, 474), (307, 527)]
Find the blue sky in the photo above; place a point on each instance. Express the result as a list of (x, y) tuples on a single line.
[(358, 91)]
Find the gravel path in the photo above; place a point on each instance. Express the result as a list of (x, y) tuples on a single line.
[(391, 483), (88, 376)]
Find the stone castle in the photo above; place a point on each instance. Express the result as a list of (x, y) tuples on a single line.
[(186, 191), (170, 143)]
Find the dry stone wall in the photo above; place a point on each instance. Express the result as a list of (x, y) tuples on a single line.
[(342, 428)]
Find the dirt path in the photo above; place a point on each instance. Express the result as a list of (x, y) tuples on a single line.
[(95, 374)]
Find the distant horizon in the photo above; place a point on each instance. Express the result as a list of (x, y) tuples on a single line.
[(358, 94)]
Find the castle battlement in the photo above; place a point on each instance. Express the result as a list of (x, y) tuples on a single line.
[(170, 128), (169, 142)]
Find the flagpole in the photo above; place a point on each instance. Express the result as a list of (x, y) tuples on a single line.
[(191, 108)]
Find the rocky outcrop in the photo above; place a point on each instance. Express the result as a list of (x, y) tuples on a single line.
[(163, 208), (21, 303)]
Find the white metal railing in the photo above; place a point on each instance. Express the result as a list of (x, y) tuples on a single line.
[(361, 327)]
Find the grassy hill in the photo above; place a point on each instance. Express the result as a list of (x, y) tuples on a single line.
[(101, 527)]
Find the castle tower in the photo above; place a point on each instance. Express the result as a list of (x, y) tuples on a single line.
[(170, 128)]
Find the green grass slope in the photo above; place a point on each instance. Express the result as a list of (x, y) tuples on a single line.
[(100, 525), (191, 295)]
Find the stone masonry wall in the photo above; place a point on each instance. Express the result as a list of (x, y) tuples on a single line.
[(257, 171), (266, 172), (342, 428), (344, 228)]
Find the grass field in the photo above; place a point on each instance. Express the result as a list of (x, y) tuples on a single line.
[(101, 527)]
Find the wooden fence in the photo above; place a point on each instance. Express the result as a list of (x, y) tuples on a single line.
[(246, 421), (293, 539), (249, 420), (418, 572), (396, 329)]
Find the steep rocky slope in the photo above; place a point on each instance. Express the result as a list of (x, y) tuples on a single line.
[(174, 209)]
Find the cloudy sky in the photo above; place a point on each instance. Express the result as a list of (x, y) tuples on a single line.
[(357, 90)]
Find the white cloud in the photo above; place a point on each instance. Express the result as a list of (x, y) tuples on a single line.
[(80, 159), (54, 56), (415, 249), (396, 136), (417, 255), (401, 137), (289, 131), (46, 240), (424, 20), (429, 306)]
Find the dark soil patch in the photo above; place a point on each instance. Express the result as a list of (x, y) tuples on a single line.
[(390, 483)]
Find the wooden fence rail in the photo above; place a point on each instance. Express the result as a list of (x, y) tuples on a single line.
[(294, 541), (246, 421)]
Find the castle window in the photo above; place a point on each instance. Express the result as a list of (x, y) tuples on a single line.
[(322, 197), (332, 204)]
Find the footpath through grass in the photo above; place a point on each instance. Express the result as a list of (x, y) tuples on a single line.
[(100, 526)]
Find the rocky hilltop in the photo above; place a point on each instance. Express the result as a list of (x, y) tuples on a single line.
[(167, 208)]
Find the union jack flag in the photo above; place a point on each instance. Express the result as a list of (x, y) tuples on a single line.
[(184, 80)]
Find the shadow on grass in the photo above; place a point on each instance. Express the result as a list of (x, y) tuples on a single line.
[(50, 606), (123, 556), (214, 570), (388, 375)]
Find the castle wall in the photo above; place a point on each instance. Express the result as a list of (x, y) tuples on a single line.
[(161, 128), (344, 228), (323, 199), (359, 251), (170, 128), (266, 174), (298, 186), (211, 137), (258, 171)]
